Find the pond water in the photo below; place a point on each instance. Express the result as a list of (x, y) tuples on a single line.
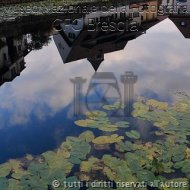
[(126, 91)]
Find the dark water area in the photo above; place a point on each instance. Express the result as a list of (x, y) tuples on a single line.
[(51, 77)]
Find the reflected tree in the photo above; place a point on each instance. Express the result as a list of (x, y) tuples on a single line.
[(38, 40)]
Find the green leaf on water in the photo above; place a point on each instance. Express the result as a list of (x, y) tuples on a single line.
[(87, 136), (3, 183), (108, 139), (122, 124), (133, 134)]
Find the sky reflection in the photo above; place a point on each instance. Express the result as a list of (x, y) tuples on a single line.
[(44, 87), (40, 99)]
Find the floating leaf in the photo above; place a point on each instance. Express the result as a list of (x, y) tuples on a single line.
[(145, 175), (133, 134), (85, 123), (117, 169), (123, 147), (87, 136), (168, 167), (3, 183), (122, 124), (74, 160), (29, 157), (108, 139), (101, 123), (90, 165), (79, 151), (187, 151), (12, 166), (186, 167), (56, 161), (84, 177), (180, 164), (109, 128), (140, 110), (156, 104), (13, 184)]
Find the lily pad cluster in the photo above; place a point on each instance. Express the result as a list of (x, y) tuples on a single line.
[(172, 121), (128, 159), (100, 120), (34, 174), (38, 173), (78, 148), (158, 114)]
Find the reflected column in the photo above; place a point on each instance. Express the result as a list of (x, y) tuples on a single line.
[(78, 83), (128, 79)]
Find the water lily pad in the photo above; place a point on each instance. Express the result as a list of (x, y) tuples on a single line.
[(79, 151), (13, 184), (84, 177), (186, 167), (146, 175), (122, 124), (124, 146), (133, 134), (108, 139), (87, 136), (56, 161), (77, 148), (157, 104), (117, 169), (14, 166), (187, 151), (3, 183), (29, 157), (85, 123), (63, 152), (179, 164), (140, 110), (167, 167), (90, 165), (74, 160), (101, 123), (108, 127)]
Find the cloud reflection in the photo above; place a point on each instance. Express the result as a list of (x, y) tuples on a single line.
[(44, 88)]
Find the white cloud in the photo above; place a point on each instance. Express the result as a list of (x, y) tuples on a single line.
[(161, 63)]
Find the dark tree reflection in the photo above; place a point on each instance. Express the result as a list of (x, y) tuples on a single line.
[(38, 40)]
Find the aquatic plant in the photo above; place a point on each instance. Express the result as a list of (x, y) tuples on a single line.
[(100, 121), (108, 139), (131, 159), (133, 134)]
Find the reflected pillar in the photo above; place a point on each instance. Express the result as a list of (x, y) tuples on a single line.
[(128, 79), (78, 82)]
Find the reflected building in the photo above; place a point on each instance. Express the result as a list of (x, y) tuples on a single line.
[(12, 53), (182, 22), (86, 38), (181, 18), (103, 90)]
